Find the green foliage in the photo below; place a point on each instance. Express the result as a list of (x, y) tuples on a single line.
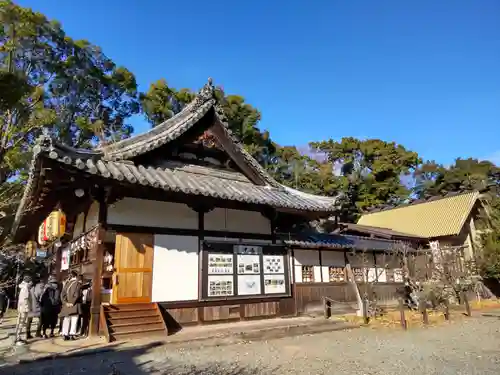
[(470, 174), (67, 85), (161, 102), (489, 261), (370, 171)]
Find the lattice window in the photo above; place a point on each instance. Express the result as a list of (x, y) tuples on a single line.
[(307, 274), (389, 272), (336, 274), (358, 273)]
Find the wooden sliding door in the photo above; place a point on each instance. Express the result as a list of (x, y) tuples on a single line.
[(133, 279)]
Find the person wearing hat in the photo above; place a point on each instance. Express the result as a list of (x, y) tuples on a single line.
[(24, 305), (50, 306)]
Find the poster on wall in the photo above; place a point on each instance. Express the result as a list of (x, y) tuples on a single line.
[(220, 285), (274, 264), (248, 249), (248, 285), (220, 263), (248, 264), (65, 259), (274, 284), (398, 275)]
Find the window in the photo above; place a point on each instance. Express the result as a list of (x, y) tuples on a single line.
[(307, 274), (336, 274), (358, 274)]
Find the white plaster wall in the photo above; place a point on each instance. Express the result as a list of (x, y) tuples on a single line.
[(79, 224), (147, 213), (237, 221), (175, 268), (307, 258), (92, 218), (331, 258)]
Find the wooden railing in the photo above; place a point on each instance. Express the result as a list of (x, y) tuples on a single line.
[(310, 294)]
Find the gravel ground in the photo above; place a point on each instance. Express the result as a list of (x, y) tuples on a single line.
[(470, 347)]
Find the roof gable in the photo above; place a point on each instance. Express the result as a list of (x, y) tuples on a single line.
[(205, 106), (436, 218), (117, 164)]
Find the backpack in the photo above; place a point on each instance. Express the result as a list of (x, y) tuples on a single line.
[(51, 297)]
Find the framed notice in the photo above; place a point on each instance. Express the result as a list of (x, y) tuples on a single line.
[(274, 264), (248, 249), (249, 285), (220, 264), (274, 284), (248, 264), (220, 286)]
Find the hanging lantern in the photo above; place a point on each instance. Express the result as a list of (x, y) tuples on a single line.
[(42, 234), (55, 225), (30, 249)]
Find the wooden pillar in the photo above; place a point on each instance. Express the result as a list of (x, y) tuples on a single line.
[(95, 307)]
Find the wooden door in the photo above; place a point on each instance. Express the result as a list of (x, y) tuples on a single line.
[(133, 278)]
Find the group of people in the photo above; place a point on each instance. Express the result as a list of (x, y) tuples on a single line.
[(48, 302)]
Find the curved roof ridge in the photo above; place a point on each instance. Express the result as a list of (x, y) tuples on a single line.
[(167, 130), (319, 198)]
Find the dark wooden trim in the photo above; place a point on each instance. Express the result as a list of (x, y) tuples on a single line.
[(189, 232), (219, 302), (98, 265), (228, 248), (201, 227), (218, 131), (96, 283), (339, 283)]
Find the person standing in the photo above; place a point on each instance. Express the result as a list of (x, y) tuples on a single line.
[(51, 306), (35, 311), (71, 298), (23, 307), (61, 287), (86, 301), (4, 303)]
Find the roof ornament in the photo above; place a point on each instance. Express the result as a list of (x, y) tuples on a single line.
[(206, 93), (44, 142)]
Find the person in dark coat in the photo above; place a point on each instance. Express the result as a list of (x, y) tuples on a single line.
[(86, 302), (51, 306), (35, 311), (71, 298), (4, 303)]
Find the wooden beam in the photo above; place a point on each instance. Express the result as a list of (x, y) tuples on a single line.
[(95, 308)]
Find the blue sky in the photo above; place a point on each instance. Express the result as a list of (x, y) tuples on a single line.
[(422, 73)]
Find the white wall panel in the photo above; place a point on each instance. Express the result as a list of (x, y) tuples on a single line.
[(307, 258), (237, 221), (175, 268), (147, 213)]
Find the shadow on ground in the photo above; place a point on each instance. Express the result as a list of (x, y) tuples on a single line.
[(141, 360)]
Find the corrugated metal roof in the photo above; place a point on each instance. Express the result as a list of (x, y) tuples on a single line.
[(339, 241), (437, 218)]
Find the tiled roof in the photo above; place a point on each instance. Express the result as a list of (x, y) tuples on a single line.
[(198, 180), (436, 218), (179, 124), (385, 232), (339, 241), (117, 162)]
